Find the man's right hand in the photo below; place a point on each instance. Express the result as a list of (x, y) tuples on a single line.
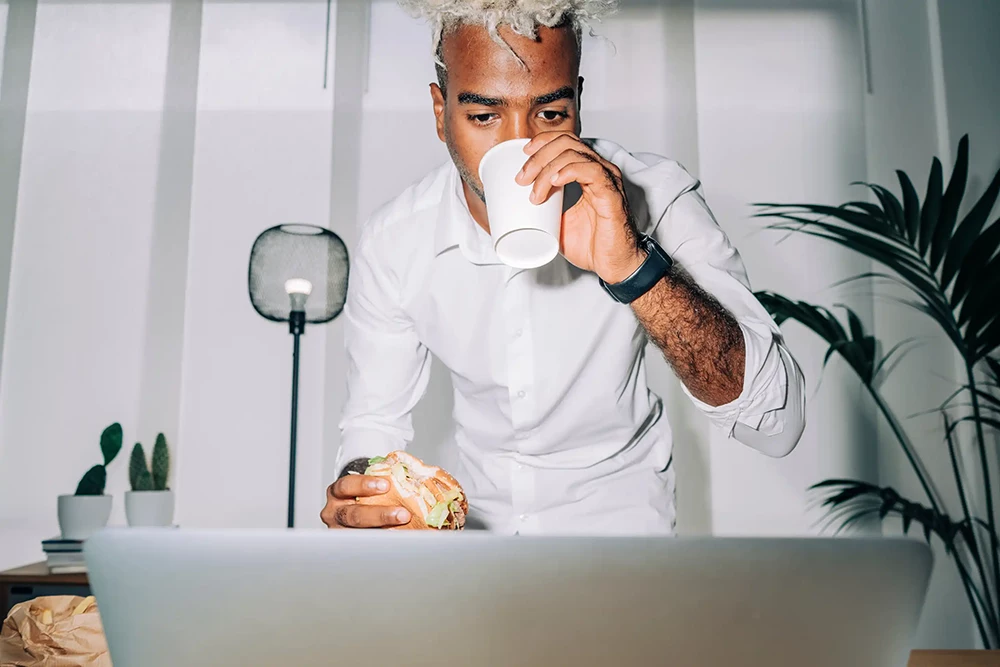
[(343, 511)]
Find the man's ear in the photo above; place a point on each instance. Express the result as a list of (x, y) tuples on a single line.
[(437, 96)]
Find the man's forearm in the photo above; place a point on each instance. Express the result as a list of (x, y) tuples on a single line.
[(700, 339)]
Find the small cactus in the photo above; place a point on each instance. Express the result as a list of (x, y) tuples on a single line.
[(136, 466), (94, 480), (161, 463), (145, 482), (139, 474)]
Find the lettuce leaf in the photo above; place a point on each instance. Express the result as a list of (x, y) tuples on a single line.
[(398, 471), (438, 515)]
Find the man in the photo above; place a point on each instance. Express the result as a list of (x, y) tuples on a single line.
[(556, 430)]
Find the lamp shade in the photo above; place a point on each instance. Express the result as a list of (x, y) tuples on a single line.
[(298, 267)]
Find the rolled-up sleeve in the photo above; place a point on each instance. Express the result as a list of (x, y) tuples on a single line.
[(387, 365), (769, 414)]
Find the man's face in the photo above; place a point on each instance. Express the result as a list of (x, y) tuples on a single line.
[(492, 98)]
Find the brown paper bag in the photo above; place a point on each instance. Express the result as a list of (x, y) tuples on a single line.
[(54, 631)]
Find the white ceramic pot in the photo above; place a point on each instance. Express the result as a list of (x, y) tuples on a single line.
[(82, 516), (149, 508)]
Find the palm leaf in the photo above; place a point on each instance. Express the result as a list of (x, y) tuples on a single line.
[(993, 365), (858, 348), (982, 395), (899, 347), (974, 262), (854, 496), (969, 230), (937, 310), (952, 266), (922, 284), (987, 421), (988, 340), (931, 209), (893, 209), (864, 219), (950, 203), (911, 206), (869, 208), (899, 258), (877, 230), (980, 302)]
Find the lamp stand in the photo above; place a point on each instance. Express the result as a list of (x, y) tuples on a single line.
[(297, 327)]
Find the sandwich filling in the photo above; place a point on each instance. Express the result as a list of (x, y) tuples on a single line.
[(441, 506)]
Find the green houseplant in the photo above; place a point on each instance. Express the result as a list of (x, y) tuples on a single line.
[(951, 268), (151, 501), (88, 510)]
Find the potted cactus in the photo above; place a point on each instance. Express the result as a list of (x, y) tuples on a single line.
[(150, 502), (88, 510)]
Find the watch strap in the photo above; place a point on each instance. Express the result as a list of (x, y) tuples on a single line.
[(650, 272)]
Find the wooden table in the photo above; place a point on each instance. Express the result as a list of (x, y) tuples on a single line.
[(954, 659), (35, 580)]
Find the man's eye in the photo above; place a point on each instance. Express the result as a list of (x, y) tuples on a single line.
[(551, 115), (481, 118)]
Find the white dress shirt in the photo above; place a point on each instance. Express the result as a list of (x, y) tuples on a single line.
[(556, 430)]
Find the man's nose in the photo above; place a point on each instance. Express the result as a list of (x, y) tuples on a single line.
[(519, 127)]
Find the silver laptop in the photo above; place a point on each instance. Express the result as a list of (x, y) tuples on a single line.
[(219, 598)]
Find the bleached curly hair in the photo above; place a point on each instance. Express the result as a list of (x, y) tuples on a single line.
[(522, 16)]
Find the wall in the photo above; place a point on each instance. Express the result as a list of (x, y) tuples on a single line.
[(261, 157), (77, 296), (13, 102), (968, 48), (4, 9), (779, 120)]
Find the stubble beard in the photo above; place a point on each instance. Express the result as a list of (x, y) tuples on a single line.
[(468, 176)]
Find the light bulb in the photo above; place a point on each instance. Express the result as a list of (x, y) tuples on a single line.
[(298, 290)]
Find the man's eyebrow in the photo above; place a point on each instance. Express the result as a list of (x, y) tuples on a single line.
[(564, 93), (476, 98)]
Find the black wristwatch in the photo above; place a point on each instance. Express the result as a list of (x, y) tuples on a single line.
[(643, 279)]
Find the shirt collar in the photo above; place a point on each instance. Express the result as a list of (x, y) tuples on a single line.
[(457, 228)]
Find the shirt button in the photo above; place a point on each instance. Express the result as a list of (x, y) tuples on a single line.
[(517, 334), (523, 517), (520, 394)]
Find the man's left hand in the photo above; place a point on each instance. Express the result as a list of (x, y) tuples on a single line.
[(598, 232)]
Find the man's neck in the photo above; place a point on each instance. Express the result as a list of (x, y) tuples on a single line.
[(476, 207)]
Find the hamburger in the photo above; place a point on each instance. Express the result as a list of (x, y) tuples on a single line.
[(434, 498)]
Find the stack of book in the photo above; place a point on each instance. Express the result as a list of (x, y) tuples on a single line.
[(64, 556)]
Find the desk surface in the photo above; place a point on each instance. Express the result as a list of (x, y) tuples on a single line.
[(39, 572), (954, 659)]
